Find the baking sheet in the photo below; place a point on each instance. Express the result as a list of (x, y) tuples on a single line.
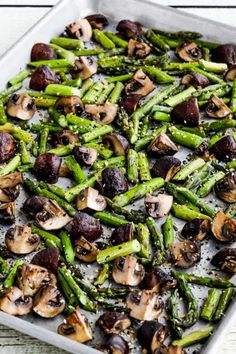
[(149, 14)]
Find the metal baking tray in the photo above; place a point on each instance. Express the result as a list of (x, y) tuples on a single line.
[(150, 14)]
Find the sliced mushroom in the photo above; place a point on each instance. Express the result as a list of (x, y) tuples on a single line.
[(47, 258), (130, 102), (76, 327), (157, 280), (185, 253), (118, 143), (113, 322), (189, 52), (127, 271), (42, 51), (21, 106), (203, 150), (10, 186), (162, 145), (9, 194), (7, 213), (115, 344), (225, 260), (80, 29), (103, 113), (216, 108), (85, 225), (224, 53), (144, 305), (140, 84), (223, 228), (128, 28), (138, 49), (196, 229), (122, 234), (231, 73), (85, 156), (159, 205), (69, 104), (225, 148), (151, 335), (34, 205), (97, 21), (195, 79), (225, 188), (47, 167), (166, 167), (15, 303), (49, 302), (85, 251), (84, 67), (172, 349), (89, 198), (7, 146), (20, 239), (114, 182), (41, 77), (52, 217), (64, 137), (187, 113)]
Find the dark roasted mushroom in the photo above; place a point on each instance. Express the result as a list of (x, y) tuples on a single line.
[(166, 167), (151, 335), (130, 102), (20, 240), (84, 67), (7, 146), (7, 213), (47, 258), (187, 113), (203, 150), (138, 49), (127, 271), (225, 188), (224, 53), (64, 137), (225, 260), (85, 225), (157, 280), (47, 167), (9, 194), (85, 251), (140, 84), (225, 148), (196, 229), (52, 217), (34, 205), (103, 113), (21, 106), (128, 29), (115, 344), (118, 143), (14, 302), (122, 234), (80, 29), (185, 253), (159, 205), (49, 302), (10, 186), (172, 349), (97, 21), (216, 108), (223, 228), (195, 79), (42, 51), (144, 305), (69, 104), (189, 52), (114, 182), (85, 156), (162, 145), (41, 77), (230, 73), (113, 322), (89, 198)]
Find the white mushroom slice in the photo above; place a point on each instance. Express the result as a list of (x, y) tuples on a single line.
[(53, 217), (20, 240), (49, 302), (85, 251), (223, 228), (127, 271), (21, 106), (144, 305), (89, 198), (80, 29), (104, 113), (140, 84), (84, 67), (158, 205), (15, 303), (138, 49)]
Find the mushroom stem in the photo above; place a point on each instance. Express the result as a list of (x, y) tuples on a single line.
[(121, 250)]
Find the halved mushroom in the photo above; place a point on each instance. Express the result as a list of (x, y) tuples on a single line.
[(138, 49), (64, 137), (224, 53), (30, 278), (10, 186), (122, 234), (42, 51), (195, 79), (144, 305), (127, 271), (130, 102), (47, 167), (230, 73), (118, 143), (85, 251), (223, 228), (187, 113), (85, 156), (21, 106), (89, 198), (98, 21), (216, 108), (49, 302), (7, 213), (225, 260), (140, 84), (162, 145), (41, 77), (85, 225), (103, 113), (20, 239), (114, 182), (151, 335), (189, 52), (166, 167), (203, 151), (157, 280), (159, 205), (113, 322), (128, 29), (9, 194), (80, 29), (15, 303), (33, 205), (52, 217), (172, 349), (84, 67), (69, 104), (185, 253), (7, 146), (47, 258), (196, 229), (76, 327), (225, 148), (115, 344), (225, 188)]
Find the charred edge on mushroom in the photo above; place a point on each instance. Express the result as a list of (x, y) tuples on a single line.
[(224, 53), (97, 21), (48, 302), (47, 258), (138, 49), (7, 213), (225, 148), (225, 189), (185, 253), (162, 145), (140, 84), (122, 234), (7, 146), (166, 167), (151, 335), (85, 225), (80, 29), (113, 322), (197, 229), (157, 280), (216, 108), (189, 52), (130, 102), (114, 182), (85, 156), (225, 260), (33, 205), (41, 77), (20, 240), (118, 143), (223, 228), (42, 51), (52, 217), (69, 104), (85, 251), (46, 167), (195, 79), (187, 113), (128, 29)]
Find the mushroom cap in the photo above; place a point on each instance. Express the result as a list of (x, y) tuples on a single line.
[(41, 77), (162, 145), (196, 229), (34, 204), (185, 253), (187, 113), (52, 217), (64, 137), (224, 53), (80, 29), (128, 28), (151, 335), (157, 280), (159, 205), (84, 67), (118, 143), (230, 73), (225, 188), (47, 258), (15, 303), (223, 228), (85, 225), (114, 182), (195, 79), (104, 113), (113, 322), (85, 251), (11, 180), (122, 234), (42, 51), (49, 302), (7, 146), (116, 344), (225, 148), (20, 240), (216, 108), (166, 167), (140, 84), (46, 167), (144, 305), (21, 106), (85, 156), (97, 21), (225, 260), (7, 213), (189, 52), (138, 49), (127, 271), (89, 198), (69, 104), (130, 102)]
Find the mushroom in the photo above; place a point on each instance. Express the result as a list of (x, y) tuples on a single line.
[(85, 251), (172, 349), (127, 271), (7, 213), (128, 29), (15, 303), (52, 217), (47, 258), (196, 229), (84, 67), (159, 205), (187, 113), (151, 335), (138, 49), (231, 73), (113, 322), (97, 21), (115, 344), (7, 146), (76, 327), (33, 205), (144, 305), (189, 52), (162, 145), (114, 182), (85, 225), (195, 79), (118, 143), (41, 77), (224, 53), (9, 194), (21, 106), (49, 302), (185, 253), (140, 84), (103, 113), (130, 102), (166, 167), (225, 260), (223, 228), (10, 186), (216, 108), (225, 149), (203, 151), (89, 198), (30, 278), (80, 29), (157, 280), (20, 240), (225, 188), (122, 234), (63, 138), (42, 51), (47, 167), (85, 156), (69, 104)]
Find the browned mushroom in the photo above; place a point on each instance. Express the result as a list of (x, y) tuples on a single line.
[(159, 205), (64, 137), (52, 217), (69, 104), (224, 53), (15, 303), (162, 145), (85, 251), (84, 67), (20, 239), (47, 258), (7, 146), (157, 280), (33, 205), (42, 51), (216, 108), (85, 225), (140, 84), (21, 106), (130, 102), (138, 49), (151, 335), (97, 21), (115, 344), (114, 182), (189, 52), (41, 77), (128, 29), (144, 305), (230, 73), (122, 234), (166, 167), (196, 229), (85, 156), (225, 260), (225, 188), (103, 113), (185, 253), (118, 143), (223, 228), (7, 213), (89, 198), (47, 167), (127, 271), (195, 79), (187, 113), (80, 29), (10, 186), (49, 302), (225, 148), (113, 322)]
